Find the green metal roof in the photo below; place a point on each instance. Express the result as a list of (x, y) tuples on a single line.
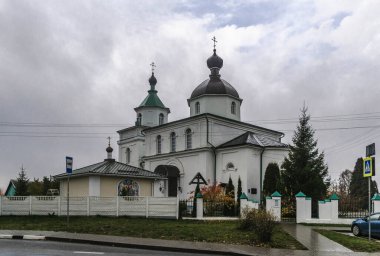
[(300, 194), (376, 197), (243, 196), (276, 194), (334, 197), (152, 100), (198, 195)]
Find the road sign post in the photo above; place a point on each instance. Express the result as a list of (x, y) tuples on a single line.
[(369, 171), (69, 170)]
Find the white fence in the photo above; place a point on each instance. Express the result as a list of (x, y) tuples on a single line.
[(159, 207)]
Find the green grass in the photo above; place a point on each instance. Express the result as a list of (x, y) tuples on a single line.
[(357, 244), (190, 230)]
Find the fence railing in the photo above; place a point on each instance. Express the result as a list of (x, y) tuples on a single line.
[(164, 207), (353, 207), (220, 209)]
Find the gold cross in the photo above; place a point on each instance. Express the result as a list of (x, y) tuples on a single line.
[(109, 141), (214, 39)]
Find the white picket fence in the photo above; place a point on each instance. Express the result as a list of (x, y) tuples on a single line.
[(158, 207)]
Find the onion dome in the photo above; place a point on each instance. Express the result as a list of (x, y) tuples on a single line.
[(109, 149), (152, 81), (214, 61), (214, 85)]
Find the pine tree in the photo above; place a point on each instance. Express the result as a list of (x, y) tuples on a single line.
[(304, 168), (272, 179), (239, 190), (22, 183), (359, 185)]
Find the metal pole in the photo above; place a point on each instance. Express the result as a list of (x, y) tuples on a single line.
[(68, 198), (369, 208)]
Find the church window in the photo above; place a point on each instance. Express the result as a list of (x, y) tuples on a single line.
[(158, 144), (139, 118), (233, 108), (230, 167), (128, 187), (172, 142), (197, 108), (161, 119), (188, 139), (128, 155)]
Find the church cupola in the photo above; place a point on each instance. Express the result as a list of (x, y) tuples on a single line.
[(215, 95), (109, 150), (151, 111)]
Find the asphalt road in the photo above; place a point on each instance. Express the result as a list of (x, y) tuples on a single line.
[(13, 247)]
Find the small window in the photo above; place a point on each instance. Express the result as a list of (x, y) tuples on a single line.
[(158, 144), (172, 142), (128, 155), (233, 108), (161, 119), (128, 188), (188, 139), (230, 167), (139, 118), (197, 108)]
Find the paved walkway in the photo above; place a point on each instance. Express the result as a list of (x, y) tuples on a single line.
[(303, 233)]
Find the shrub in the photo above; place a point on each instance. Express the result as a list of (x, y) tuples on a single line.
[(260, 222)]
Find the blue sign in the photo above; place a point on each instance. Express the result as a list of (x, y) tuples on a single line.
[(69, 164), (367, 167)]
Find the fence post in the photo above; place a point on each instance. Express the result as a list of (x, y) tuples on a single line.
[(376, 202), (199, 199), (300, 207), (274, 205), (59, 206), (88, 206), (177, 211), (1, 205), (147, 207), (117, 206), (30, 205), (334, 207), (243, 202)]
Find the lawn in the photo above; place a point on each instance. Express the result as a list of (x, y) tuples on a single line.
[(357, 244), (190, 230)]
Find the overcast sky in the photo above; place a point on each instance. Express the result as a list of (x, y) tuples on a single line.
[(72, 71)]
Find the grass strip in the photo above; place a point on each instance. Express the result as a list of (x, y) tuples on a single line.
[(189, 230), (357, 244)]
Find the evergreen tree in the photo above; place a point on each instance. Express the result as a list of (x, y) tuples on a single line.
[(230, 189), (45, 185), (272, 179), (359, 185), (304, 168), (35, 188), (239, 190), (22, 184)]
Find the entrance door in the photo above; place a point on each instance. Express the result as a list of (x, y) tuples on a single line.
[(172, 187)]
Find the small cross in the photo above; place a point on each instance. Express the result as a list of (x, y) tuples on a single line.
[(109, 141), (153, 66), (214, 39)]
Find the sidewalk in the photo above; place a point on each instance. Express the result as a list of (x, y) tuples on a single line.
[(169, 245)]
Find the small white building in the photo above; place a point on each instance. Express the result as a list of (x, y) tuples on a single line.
[(212, 140)]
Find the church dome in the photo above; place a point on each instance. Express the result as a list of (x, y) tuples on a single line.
[(109, 149), (152, 80), (214, 85)]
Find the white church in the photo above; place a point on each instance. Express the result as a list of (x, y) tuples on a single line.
[(212, 141)]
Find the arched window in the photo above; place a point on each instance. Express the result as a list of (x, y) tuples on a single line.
[(230, 167), (172, 142), (158, 141), (128, 155), (233, 108), (128, 187), (161, 119), (139, 118), (188, 139), (197, 108)]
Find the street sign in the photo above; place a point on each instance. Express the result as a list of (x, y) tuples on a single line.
[(69, 164), (367, 167), (370, 150)]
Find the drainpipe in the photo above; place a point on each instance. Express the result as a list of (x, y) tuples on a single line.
[(261, 175), (213, 150)]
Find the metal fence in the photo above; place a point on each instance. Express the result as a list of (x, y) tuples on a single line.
[(186, 208), (161, 207), (288, 210), (354, 207), (220, 209)]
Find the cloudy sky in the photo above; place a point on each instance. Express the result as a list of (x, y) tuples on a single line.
[(72, 71)]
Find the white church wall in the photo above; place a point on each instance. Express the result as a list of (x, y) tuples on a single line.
[(216, 104), (253, 173)]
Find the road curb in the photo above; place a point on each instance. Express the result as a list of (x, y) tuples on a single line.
[(24, 237), (143, 246)]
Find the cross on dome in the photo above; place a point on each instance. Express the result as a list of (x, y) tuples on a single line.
[(109, 141), (153, 66), (214, 39)]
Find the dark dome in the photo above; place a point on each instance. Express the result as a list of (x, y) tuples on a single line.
[(109, 149), (214, 61), (152, 80), (214, 85)]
